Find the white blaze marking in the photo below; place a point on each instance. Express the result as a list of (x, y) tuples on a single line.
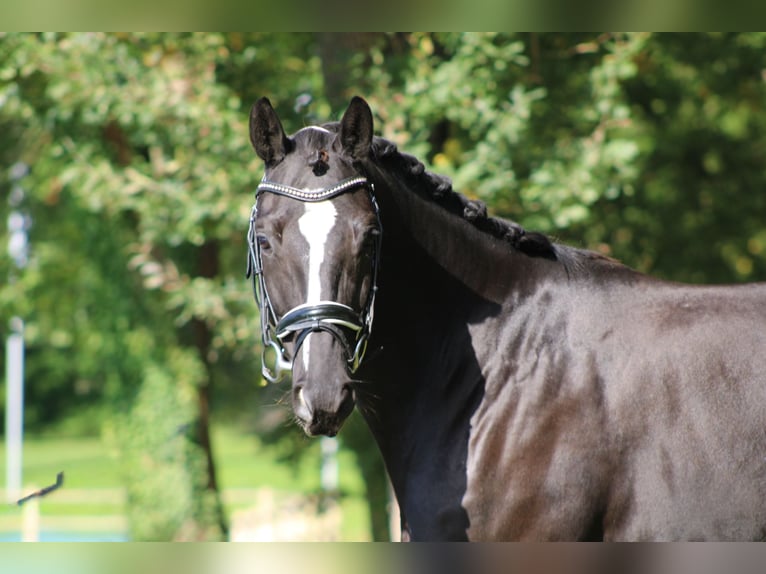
[(315, 225)]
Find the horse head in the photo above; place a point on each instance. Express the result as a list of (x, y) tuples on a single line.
[(314, 247)]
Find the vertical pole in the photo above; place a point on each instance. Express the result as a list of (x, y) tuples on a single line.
[(394, 515), (18, 223), (329, 472), (30, 521), (329, 502), (14, 417)]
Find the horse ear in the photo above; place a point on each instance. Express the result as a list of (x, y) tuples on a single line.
[(266, 133), (356, 129)]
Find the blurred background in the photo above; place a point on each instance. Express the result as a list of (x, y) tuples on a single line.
[(127, 177)]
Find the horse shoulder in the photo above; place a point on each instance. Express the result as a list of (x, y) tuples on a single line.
[(539, 440)]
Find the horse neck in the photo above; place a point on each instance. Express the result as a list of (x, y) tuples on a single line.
[(440, 280), (432, 245), (438, 276)]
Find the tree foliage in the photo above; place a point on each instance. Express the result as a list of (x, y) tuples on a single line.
[(647, 147)]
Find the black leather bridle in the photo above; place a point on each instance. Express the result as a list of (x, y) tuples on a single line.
[(351, 328)]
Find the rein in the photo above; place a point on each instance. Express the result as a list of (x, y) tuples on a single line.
[(350, 328)]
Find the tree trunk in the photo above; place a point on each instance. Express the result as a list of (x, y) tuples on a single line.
[(208, 268), (337, 50)]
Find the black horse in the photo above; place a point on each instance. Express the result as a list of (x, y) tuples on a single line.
[(517, 389)]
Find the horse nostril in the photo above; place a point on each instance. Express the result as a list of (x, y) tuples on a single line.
[(300, 398)]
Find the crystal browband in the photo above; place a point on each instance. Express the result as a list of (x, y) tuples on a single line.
[(310, 195)]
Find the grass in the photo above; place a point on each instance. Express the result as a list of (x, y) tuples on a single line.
[(93, 489)]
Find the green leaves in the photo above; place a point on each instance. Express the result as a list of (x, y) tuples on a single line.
[(139, 159), (648, 147)]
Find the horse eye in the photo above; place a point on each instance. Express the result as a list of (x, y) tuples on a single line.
[(372, 236), (263, 242), (370, 241)]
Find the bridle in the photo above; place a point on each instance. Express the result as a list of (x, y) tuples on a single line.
[(352, 329)]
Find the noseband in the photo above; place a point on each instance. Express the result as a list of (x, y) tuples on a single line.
[(350, 328)]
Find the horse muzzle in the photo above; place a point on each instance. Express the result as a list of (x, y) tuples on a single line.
[(320, 412)]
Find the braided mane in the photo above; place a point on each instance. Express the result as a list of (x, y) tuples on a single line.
[(439, 188)]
